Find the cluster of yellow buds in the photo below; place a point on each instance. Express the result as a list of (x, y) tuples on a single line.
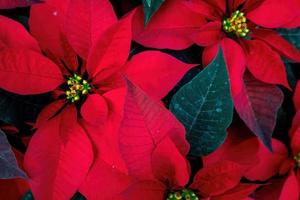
[(77, 88), (297, 159), (237, 24), (184, 194)]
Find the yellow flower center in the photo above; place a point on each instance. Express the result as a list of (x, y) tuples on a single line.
[(237, 24), (184, 194), (297, 159), (78, 87)]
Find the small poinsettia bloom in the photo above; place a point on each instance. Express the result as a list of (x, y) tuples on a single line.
[(242, 28)]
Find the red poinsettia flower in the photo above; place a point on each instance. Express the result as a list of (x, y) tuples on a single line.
[(241, 27), (89, 86)]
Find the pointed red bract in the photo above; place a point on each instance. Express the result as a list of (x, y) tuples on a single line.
[(242, 191), (86, 20), (67, 162), (257, 104), (14, 35), (217, 178), (27, 72), (155, 72), (265, 64), (145, 125), (236, 64), (95, 109), (111, 50), (269, 163), (278, 43), (264, 15), (167, 29)]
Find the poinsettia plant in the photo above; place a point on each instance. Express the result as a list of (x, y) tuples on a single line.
[(149, 99)]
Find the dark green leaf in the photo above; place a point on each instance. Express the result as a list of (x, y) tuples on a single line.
[(27, 196), (205, 107), (17, 109), (292, 35), (8, 163), (150, 7)]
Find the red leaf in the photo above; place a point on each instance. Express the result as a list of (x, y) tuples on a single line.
[(208, 34), (146, 190), (217, 178), (241, 191), (167, 29), (236, 64), (111, 50), (86, 20), (209, 53), (48, 112), (145, 125), (158, 75), (51, 37), (9, 4), (108, 180), (169, 164), (27, 72), (257, 104), (280, 44), (269, 162), (14, 35), (282, 189), (95, 109), (265, 64), (264, 15), (67, 162)]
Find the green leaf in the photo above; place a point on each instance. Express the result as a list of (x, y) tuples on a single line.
[(292, 35), (150, 7), (204, 106), (27, 196)]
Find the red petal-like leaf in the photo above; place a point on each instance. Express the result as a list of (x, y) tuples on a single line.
[(163, 72), (257, 104), (269, 162), (265, 64), (67, 162), (51, 37), (217, 178), (166, 29), (111, 51), (14, 35), (241, 191), (95, 109), (27, 72), (146, 190), (264, 15), (9, 4), (236, 64), (86, 20), (145, 125), (169, 164), (278, 43), (108, 180)]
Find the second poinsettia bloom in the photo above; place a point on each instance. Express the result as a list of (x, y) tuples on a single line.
[(243, 28)]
